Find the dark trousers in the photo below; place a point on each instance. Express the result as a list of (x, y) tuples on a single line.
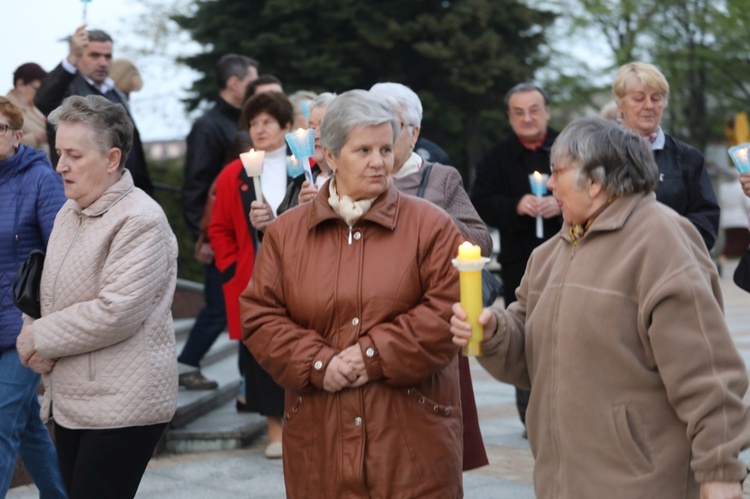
[(105, 463), (211, 320), (512, 273)]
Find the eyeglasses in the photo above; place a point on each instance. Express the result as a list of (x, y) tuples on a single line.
[(4, 129)]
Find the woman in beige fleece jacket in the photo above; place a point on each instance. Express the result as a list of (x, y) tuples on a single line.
[(106, 334), (618, 327)]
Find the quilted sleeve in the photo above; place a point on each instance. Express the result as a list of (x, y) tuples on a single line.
[(134, 274)]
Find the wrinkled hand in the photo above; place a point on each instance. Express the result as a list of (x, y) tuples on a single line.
[(528, 205), (338, 375), (204, 254), (745, 182), (261, 215), (25, 344), (353, 356), (39, 365), (548, 207), (461, 330), (78, 42), (721, 490), (307, 192)]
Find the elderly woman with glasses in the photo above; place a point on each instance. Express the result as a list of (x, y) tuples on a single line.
[(637, 384), (641, 92), (31, 193), (442, 185), (361, 344), (106, 294)]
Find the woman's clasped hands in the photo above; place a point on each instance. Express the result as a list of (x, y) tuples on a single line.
[(346, 370)]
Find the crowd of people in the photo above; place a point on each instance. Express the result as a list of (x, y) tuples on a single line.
[(339, 290)]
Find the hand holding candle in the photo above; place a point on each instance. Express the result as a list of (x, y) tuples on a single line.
[(302, 144), (469, 264), (538, 183), (253, 163)]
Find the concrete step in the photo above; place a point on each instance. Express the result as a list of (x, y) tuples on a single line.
[(221, 429), (192, 404)]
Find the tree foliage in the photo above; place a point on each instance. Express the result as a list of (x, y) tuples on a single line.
[(701, 46), (459, 56)]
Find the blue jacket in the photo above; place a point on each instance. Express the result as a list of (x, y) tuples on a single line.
[(31, 193)]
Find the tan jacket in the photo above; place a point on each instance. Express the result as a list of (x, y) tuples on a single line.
[(312, 294), (636, 383), (34, 124), (107, 288)]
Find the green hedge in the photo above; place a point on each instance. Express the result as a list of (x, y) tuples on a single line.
[(168, 177)]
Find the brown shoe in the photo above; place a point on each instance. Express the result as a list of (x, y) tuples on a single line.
[(196, 381)]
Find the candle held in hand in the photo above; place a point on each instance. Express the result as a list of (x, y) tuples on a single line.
[(469, 264), (538, 183), (253, 163)]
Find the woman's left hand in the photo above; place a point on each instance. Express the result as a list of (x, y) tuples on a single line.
[(721, 490), (25, 344), (353, 356)]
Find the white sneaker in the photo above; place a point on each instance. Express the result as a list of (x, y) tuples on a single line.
[(273, 450)]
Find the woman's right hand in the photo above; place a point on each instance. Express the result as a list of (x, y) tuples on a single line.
[(339, 374), (745, 182), (461, 330), (261, 215), (307, 192)]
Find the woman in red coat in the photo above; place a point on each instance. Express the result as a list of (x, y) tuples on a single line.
[(235, 242)]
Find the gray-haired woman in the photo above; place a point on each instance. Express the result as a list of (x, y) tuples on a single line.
[(618, 326), (106, 293), (361, 345)]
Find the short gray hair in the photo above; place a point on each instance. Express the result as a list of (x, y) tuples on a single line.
[(232, 65), (322, 100), (608, 154), (354, 109), (403, 98), (109, 121)]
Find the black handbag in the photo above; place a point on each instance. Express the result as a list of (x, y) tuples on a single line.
[(26, 283), (491, 285), (742, 272)]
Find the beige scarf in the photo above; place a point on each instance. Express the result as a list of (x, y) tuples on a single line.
[(346, 207)]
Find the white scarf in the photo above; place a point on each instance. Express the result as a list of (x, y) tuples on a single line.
[(345, 207)]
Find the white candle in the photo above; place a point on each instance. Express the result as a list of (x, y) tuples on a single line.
[(253, 163)]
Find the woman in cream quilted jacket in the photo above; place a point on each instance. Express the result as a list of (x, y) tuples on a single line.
[(105, 341)]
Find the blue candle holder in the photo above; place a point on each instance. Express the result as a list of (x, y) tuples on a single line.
[(302, 144), (740, 155)]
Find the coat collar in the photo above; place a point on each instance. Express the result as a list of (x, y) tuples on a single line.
[(111, 196), (516, 148), (614, 216), (384, 211)]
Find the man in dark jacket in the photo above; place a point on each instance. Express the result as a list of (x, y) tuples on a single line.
[(86, 72), (502, 191), (208, 145)]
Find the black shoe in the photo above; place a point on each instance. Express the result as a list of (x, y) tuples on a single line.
[(241, 406), (525, 435), (196, 381)]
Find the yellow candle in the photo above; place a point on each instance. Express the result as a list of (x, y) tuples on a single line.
[(470, 278)]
